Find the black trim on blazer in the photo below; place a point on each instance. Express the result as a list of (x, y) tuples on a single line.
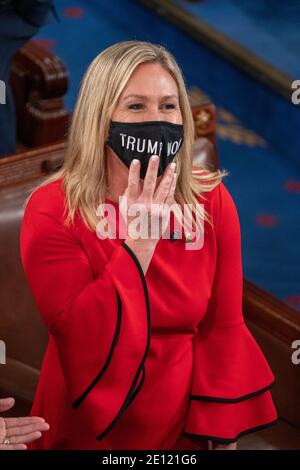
[(232, 400), (224, 440), (137, 389), (131, 393), (80, 399)]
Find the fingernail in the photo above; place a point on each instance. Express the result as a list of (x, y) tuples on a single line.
[(135, 161), (154, 158), (173, 165)]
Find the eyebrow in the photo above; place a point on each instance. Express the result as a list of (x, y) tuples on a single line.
[(144, 97)]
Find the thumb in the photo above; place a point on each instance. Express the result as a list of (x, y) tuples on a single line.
[(6, 404)]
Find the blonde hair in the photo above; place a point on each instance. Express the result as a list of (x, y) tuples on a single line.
[(84, 169)]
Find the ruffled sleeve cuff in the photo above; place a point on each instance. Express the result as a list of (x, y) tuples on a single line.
[(230, 394)]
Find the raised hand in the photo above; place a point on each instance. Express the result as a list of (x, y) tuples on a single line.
[(152, 203), (146, 195)]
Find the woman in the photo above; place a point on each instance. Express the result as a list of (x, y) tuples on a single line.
[(148, 348)]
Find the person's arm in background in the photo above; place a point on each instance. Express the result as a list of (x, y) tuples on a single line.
[(36, 12), (19, 22), (15, 433)]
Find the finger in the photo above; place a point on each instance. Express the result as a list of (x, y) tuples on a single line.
[(165, 184), (33, 436), (23, 421), (6, 404), (170, 198), (134, 179), (151, 177), (13, 447), (30, 428)]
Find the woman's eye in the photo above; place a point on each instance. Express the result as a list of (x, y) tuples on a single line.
[(139, 105), (170, 105), (132, 106)]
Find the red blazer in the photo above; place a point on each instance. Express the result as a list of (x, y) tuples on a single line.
[(156, 361)]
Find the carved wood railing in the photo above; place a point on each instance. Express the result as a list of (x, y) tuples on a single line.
[(39, 82)]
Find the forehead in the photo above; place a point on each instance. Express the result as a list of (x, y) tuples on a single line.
[(150, 79)]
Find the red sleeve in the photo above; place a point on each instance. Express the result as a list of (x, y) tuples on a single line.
[(230, 393), (101, 325)]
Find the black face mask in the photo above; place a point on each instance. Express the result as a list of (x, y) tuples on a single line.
[(141, 140)]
